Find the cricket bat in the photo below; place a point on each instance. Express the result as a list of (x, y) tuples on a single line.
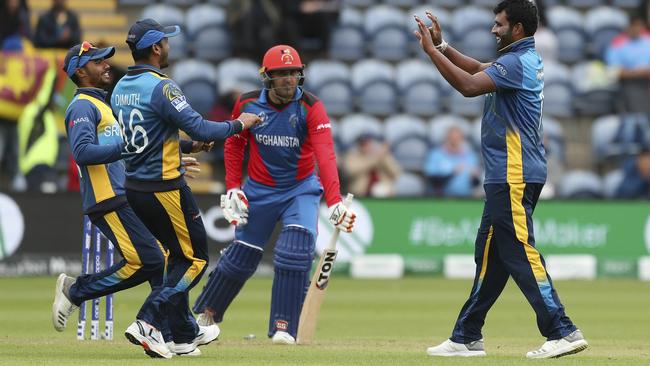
[(317, 288)]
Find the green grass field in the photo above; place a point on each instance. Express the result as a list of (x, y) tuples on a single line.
[(361, 323)]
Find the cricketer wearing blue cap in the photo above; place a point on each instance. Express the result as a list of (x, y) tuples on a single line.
[(96, 143), (515, 172), (151, 109)]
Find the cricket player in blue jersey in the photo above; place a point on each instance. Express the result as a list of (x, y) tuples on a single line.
[(282, 185), (515, 172), (96, 144), (151, 109)]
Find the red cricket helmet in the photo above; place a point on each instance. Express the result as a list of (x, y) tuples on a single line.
[(280, 57)]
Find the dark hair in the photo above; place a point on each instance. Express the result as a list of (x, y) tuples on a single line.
[(520, 11), (75, 79), (143, 54)]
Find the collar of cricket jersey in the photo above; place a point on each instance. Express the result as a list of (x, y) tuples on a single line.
[(264, 96), (93, 92), (524, 43), (140, 68)]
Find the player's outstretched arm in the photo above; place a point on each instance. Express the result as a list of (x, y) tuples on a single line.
[(470, 85), (469, 64)]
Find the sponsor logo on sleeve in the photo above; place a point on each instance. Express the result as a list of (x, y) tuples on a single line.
[(78, 120), (175, 96), (502, 70)]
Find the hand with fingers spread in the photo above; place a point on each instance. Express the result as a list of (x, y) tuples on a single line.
[(423, 34), (434, 30), (434, 33), (191, 166)]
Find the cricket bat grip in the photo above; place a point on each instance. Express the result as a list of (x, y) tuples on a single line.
[(335, 235)]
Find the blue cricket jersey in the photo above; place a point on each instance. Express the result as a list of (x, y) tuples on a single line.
[(96, 143), (151, 109), (511, 129)]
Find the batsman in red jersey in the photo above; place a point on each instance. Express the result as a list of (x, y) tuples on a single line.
[(294, 135)]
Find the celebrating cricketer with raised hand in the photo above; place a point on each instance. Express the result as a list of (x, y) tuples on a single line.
[(151, 110), (294, 135), (515, 172)]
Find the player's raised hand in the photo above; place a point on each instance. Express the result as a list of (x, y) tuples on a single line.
[(249, 120), (434, 29), (423, 34)]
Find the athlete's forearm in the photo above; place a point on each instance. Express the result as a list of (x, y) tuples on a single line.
[(465, 62)]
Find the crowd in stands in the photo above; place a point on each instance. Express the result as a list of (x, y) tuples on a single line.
[(399, 128)]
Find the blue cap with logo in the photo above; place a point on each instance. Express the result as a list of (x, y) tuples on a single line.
[(78, 56), (147, 32)]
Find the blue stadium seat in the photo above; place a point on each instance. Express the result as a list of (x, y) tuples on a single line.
[(581, 184), (584, 4), (402, 3), (198, 80), (359, 3), (382, 16), (206, 28), (627, 4), (603, 136), (595, 89), (384, 26), (568, 25), (410, 185), (239, 72), (373, 83), (354, 126), (554, 138), (470, 18), (169, 15), (467, 107), (558, 90), (330, 80), (479, 44), (611, 182), (351, 16), (403, 126), (418, 84), (347, 43), (411, 152), (439, 125), (181, 2), (602, 24)]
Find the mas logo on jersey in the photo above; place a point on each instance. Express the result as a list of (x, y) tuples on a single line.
[(501, 69), (175, 96), (78, 120)]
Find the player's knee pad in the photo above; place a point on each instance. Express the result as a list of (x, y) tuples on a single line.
[(236, 265), (294, 252)]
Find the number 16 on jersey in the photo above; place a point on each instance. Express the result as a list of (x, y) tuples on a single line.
[(317, 288)]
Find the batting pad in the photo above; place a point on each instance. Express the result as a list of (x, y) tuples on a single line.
[(236, 265), (294, 252)]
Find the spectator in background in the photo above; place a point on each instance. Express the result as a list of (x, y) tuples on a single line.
[(370, 167), (453, 168), (58, 27), (636, 177), (629, 55), (644, 11), (255, 25), (313, 21), (546, 42), (14, 24)]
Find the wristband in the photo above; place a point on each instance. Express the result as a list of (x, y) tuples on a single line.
[(442, 47), (242, 124)]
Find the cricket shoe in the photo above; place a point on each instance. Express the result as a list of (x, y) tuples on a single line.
[(62, 307), (573, 343), (281, 337), (142, 334), (179, 351), (206, 335), (450, 348)]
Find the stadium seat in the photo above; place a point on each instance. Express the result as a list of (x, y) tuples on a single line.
[(373, 83), (558, 90), (411, 152), (602, 24), (381, 16), (347, 43), (357, 125), (479, 44), (595, 89), (206, 28), (169, 15), (580, 184), (410, 185), (584, 4), (418, 84), (238, 71), (319, 72), (402, 3), (181, 2), (330, 81), (467, 107), (198, 81), (554, 138), (626, 4), (611, 182), (568, 25), (439, 125), (402, 126), (470, 18), (351, 16), (604, 131), (359, 3), (384, 25)]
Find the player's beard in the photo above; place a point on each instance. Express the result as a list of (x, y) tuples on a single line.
[(164, 59), (504, 40)]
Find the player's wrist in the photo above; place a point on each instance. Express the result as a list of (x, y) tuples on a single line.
[(442, 46), (241, 125)]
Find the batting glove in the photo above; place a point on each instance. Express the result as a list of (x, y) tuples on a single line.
[(342, 217), (235, 207)]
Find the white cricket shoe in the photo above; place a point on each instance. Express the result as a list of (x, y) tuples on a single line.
[(184, 349), (62, 307), (143, 334), (449, 348), (573, 343), (281, 337)]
